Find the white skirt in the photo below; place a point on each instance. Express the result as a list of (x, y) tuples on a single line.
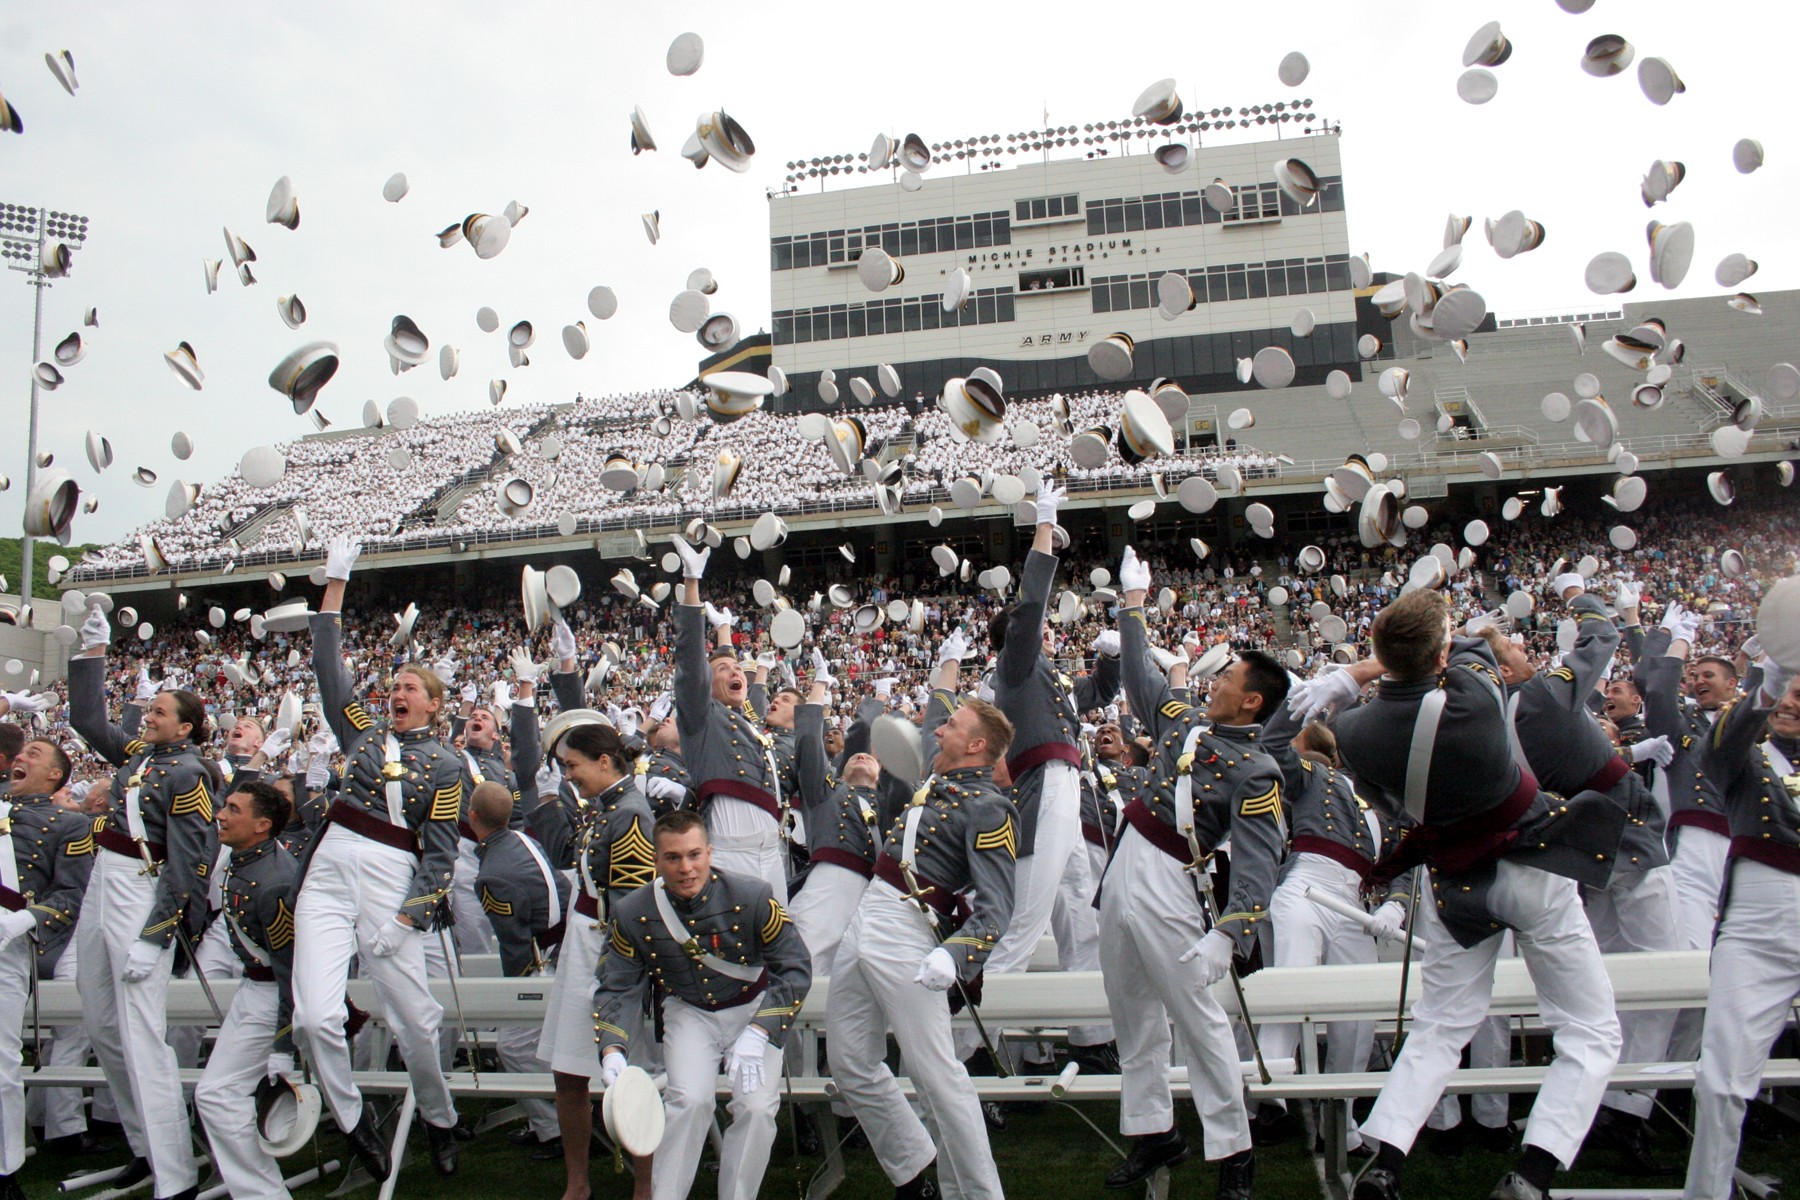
[(567, 1041)]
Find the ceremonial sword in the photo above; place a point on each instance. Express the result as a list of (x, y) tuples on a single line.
[(452, 965), (181, 934), (1192, 870), (916, 894)]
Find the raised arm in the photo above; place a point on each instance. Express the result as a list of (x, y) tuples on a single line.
[(693, 682), (1025, 633), (810, 764), (1584, 667), (87, 705), (1097, 688), (527, 750)]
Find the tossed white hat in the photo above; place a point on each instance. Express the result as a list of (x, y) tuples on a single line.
[(302, 374)]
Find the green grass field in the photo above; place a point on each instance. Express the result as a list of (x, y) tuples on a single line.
[(1046, 1152)]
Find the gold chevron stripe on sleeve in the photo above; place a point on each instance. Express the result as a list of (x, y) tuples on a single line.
[(499, 908), (197, 801), (1002, 837), (777, 918), (446, 804), (358, 716), (281, 929), (135, 746), (622, 944), (1173, 709), (84, 845), (1266, 805), (633, 861)]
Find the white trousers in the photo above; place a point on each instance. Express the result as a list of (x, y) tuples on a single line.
[(1489, 1046), (1309, 936), (566, 1039), (873, 990), (128, 1022), (60, 1110), (822, 910), (1755, 978), (1149, 917), (1456, 983), (747, 841), (353, 888), (224, 1097), (217, 960), (695, 1043), (15, 1010), (1636, 913), (472, 932), (1697, 869)]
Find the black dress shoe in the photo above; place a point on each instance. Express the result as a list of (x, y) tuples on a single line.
[(1377, 1183), (192, 1193), (1628, 1138), (550, 1151), (136, 1171), (1273, 1125), (994, 1115), (1149, 1154), (464, 1131), (74, 1145), (10, 1189), (1496, 1139), (446, 1150), (366, 1143), (525, 1136), (919, 1187), (806, 1134), (1451, 1142), (1236, 1174), (1096, 1060)]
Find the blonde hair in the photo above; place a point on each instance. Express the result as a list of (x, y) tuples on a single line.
[(996, 730), (434, 687)]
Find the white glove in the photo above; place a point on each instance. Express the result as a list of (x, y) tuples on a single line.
[(321, 743), (693, 562), (953, 647), (884, 687), (446, 668), (745, 1062), (96, 630), (767, 659), (660, 708), (1568, 579), (15, 924), (1752, 648), (1775, 679), (146, 687), (280, 1066), (1134, 575), (821, 668), (1688, 628), (25, 702), (389, 938), (140, 960), (1049, 499), (937, 971), (1672, 616), (562, 641), (471, 692), (1657, 749), (318, 772), (524, 670), (502, 694), (1107, 643), (1164, 660), (340, 556), (611, 1067), (1481, 621), (1385, 922), (277, 742), (1214, 953), (1322, 692), (1626, 595)]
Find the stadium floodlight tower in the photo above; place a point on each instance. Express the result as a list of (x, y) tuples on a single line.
[(41, 244)]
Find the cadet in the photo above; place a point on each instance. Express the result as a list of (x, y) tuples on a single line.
[(613, 858), (483, 759), (160, 845), (1503, 855), (736, 776), (913, 927), (1755, 970), (1160, 952), (524, 899), (1569, 753), (733, 973), (375, 881), (257, 1039), (662, 774), (1110, 779), (559, 820), (1041, 703), (46, 854)]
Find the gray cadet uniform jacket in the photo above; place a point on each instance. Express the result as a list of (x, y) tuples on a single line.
[(1236, 788), (1569, 752), (725, 751), (1041, 702), (1325, 815), (1694, 797), (614, 853), (526, 915), (490, 765), (782, 744), (260, 887), (664, 780), (175, 799), (843, 824), (734, 918), (1107, 786), (430, 775), (1480, 805), (54, 850), (1762, 803), (555, 821)]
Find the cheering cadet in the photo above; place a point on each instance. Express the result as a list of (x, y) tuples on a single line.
[(915, 928), (1435, 742), (483, 758), (1161, 951), (256, 1041), (1041, 703), (733, 972), (612, 858), (733, 763), (160, 845), (662, 775), (557, 820), (375, 881), (519, 893), (1753, 754), (46, 854), (1569, 753)]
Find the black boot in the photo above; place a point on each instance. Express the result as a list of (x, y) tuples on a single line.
[(136, 1171), (806, 1134), (919, 1187), (1148, 1154), (1273, 1124), (994, 1115), (1236, 1174), (365, 1142), (10, 1189), (446, 1150), (550, 1151), (1378, 1183), (1096, 1060), (1628, 1137)]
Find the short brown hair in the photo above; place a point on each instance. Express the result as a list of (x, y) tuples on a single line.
[(1318, 739), (719, 652), (1410, 633), (1496, 640), (492, 801), (677, 821), (995, 728)]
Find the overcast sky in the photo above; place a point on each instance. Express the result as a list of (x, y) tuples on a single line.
[(187, 113)]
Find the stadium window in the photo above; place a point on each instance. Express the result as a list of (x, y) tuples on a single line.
[(1153, 214), (1296, 277), (1140, 292), (875, 316), (1238, 281), (1277, 279), (1337, 272), (859, 321), (802, 327), (909, 239), (984, 230), (781, 254), (840, 323), (1100, 298), (913, 317), (837, 249), (989, 311), (1040, 208), (1096, 218), (1004, 302), (783, 328), (1002, 230), (1315, 275), (928, 239), (1258, 278), (1134, 216), (1216, 287), (1193, 209), (1042, 281), (890, 238)]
